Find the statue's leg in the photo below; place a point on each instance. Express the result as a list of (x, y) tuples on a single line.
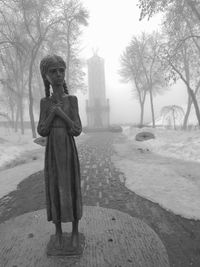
[(58, 232), (75, 233)]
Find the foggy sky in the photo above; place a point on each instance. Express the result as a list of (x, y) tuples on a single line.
[(111, 26)]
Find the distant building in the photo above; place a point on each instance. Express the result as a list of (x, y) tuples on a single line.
[(97, 106)]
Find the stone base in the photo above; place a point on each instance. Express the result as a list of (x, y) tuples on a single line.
[(112, 238), (65, 249)]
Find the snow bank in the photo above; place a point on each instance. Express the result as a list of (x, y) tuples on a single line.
[(179, 144), (157, 182), (13, 144)]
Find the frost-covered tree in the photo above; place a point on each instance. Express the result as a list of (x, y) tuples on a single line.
[(140, 64), (181, 27), (173, 113), (33, 28)]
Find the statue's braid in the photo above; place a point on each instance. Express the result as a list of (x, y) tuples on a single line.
[(47, 87), (65, 88), (43, 70)]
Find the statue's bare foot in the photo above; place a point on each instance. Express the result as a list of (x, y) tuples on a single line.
[(58, 240), (75, 240)]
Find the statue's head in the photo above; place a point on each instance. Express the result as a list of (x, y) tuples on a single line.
[(51, 61)]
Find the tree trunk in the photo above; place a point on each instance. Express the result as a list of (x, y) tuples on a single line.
[(190, 93), (17, 118), (187, 75), (31, 98), (12, 116), (185, 121), (152, 107), (141, 114), (194, 100), (21, 115), (174, 120)]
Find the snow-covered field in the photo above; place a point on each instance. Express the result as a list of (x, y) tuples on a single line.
[(177, 190), (178, 144), (13, 144)]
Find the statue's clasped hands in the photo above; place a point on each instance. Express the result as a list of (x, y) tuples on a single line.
[(56, 108)]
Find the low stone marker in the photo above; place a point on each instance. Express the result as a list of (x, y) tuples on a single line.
[(112, 238), (143, 136)]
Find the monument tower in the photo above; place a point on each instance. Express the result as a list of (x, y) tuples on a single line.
[(97, 106)]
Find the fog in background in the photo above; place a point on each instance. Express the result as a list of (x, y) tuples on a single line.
[(113, 30), (112, 24)]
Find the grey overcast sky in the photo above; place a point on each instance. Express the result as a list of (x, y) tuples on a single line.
[(111, 26)]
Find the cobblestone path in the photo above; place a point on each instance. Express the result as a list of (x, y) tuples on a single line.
[(99, 176), (103, 185)]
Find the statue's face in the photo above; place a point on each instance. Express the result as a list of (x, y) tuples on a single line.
[(56, 74)]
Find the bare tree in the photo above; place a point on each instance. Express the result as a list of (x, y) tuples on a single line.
[(13, 61), (150, 7), (174, 113), (37, 23), (131, 72), (30, 26), (141, 63), (66, 39), (182, 51), (181, 25)]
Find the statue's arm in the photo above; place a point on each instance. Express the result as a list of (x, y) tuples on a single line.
[(73, 124), (44, 124), (64, 116), (76, 128)]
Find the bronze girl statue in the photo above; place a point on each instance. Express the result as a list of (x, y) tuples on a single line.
[(59, 121)]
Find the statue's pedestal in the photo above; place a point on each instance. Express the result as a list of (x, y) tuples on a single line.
[(65, 248), (112, 238)]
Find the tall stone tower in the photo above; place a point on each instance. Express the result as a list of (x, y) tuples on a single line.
[(97, 106)]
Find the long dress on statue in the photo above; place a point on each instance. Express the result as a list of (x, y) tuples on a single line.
[(62, 169)]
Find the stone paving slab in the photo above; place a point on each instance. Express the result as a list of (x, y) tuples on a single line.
[(112, 238)]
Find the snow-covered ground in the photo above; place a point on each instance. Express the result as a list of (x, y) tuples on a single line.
[(13, 144), (177, 191), (178, 144)]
